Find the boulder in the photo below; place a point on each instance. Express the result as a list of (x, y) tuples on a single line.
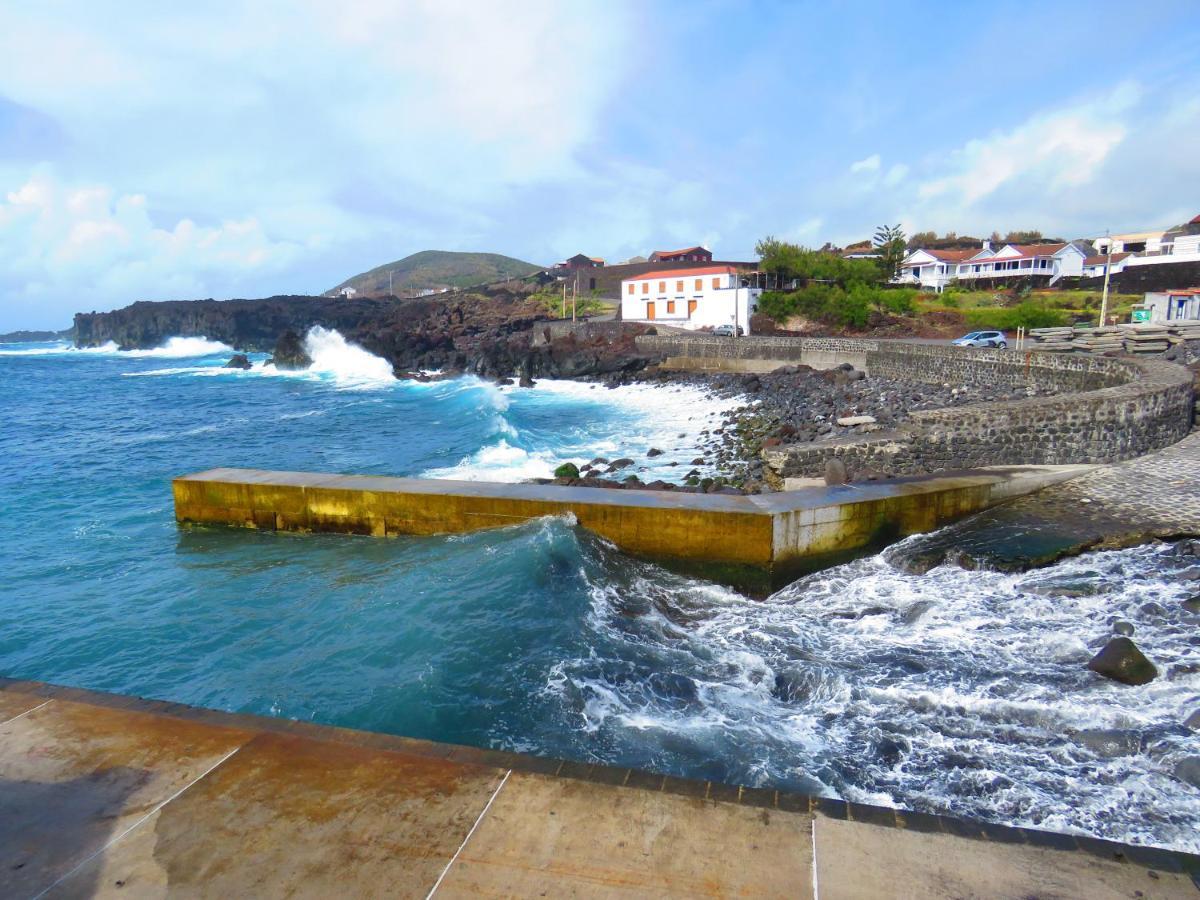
[(653, 452), (1122, 627), (835, 472), (848, 421), (1188, 770), (1192, 604), (289, 352), (1110, 742), (1122, 661), (239, 361), (620, 463), (1193, 721)]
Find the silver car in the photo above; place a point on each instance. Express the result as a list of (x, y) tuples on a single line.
[(991, 339)]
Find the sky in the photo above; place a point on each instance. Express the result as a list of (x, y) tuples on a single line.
[(153, 151)]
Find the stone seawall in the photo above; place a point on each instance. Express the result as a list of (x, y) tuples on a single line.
[(1105, 410)]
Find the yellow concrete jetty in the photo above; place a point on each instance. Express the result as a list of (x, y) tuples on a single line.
[(111, 796), (778, 533)]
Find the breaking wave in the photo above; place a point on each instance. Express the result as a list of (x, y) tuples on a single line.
[(956, 692)]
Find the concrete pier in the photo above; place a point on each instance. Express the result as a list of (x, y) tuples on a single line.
[(111, 796), (777, 534)]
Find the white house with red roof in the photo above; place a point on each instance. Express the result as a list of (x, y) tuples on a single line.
[(702, 297), (931, 269), (934, 269)]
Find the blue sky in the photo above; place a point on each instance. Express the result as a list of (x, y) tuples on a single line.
[(244, 149)]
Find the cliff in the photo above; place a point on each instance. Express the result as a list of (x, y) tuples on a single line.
[(488, 332)]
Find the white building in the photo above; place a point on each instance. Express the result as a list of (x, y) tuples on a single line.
[(934, 269), (689, 298), (1133, 242), (1094, 266), (1172, 306), (931, 269), (347, 292)]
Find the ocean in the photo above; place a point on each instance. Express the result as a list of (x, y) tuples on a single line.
[(954, 691)]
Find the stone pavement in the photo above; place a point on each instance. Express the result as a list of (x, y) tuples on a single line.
[(103, 795), (1156, 495)]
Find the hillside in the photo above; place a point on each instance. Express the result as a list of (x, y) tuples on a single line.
[(438, 269)]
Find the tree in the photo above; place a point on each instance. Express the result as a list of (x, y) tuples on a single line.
[(889, 241)]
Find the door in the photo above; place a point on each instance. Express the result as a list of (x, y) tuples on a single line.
[(650, 310), (691, 307)]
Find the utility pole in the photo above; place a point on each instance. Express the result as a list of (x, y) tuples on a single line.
[(574, 294), (390, 271), (1107, 270), (564, 300)]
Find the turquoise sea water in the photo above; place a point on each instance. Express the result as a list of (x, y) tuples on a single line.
[(954, 691)]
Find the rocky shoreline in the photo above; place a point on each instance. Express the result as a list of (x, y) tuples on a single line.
[(793, 404)]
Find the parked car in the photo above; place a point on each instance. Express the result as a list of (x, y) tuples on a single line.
[(994, 339), (727, 330)]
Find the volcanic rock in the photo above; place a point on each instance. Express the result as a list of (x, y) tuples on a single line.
[(1188, 770), (289, 352), (835, 472), (238, 361), (1122, 661), (567, 470)]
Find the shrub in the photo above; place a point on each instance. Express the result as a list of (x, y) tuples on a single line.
[(1027, 314), (567, 470)]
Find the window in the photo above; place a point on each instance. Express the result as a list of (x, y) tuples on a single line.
[(645, 287), (716, 283), (591, 284), (631, 288), (699, 284), (662, 287), (671, 305), (679, 287)]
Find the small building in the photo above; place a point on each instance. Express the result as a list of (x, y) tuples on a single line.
[(932, 269), (687, 254), (1094, 266), (695, 298), (1132, 242), (346, 292), (579, 261), (1173, 306)]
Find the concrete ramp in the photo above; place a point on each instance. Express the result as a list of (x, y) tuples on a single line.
[(723, 536)]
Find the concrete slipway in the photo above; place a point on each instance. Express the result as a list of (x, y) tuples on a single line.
[(110, 796), (730, 537)]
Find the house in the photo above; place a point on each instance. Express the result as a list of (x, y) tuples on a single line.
[(1046, 263), (861, 250), (1133, 242), (346, 292), (932, 269), (579, 261), (1094, 266), (1035, 261), (694, 298), (1172, 306), (687, 254)]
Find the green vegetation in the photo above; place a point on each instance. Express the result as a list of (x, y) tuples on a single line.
[(585, 304), (1026, 314), (889, 242), (837, 305), (433, 269), (791, 262), (833, 290), (567, 470)]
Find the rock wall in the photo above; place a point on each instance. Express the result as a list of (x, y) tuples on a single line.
[(1106, 409)]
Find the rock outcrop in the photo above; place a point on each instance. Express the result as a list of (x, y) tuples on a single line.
[(289, 353)]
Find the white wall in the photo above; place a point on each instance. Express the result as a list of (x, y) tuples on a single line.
[(714, 305)]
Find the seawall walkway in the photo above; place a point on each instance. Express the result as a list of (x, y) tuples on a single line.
[(111, 796)]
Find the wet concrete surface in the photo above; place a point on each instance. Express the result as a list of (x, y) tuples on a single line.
[(103, 795)]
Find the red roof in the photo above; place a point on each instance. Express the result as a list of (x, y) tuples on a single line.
[(683, 273), (1195, 221), (678, 252), (1096, 260), (951, 255)]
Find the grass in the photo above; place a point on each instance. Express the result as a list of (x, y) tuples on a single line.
[(1000, 310), (584, 305)]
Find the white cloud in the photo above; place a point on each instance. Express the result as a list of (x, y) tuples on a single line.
[(870, 164), (1053, 151), (88, 241)]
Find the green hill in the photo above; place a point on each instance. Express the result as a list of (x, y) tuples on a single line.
[(433, 269)]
